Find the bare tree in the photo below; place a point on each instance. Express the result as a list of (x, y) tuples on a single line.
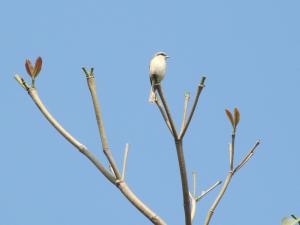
[(113, 173)]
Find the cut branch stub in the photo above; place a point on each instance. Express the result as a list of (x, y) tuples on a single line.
[(235, 118)]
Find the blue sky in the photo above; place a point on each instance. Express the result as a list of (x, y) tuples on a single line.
[(249, 51)]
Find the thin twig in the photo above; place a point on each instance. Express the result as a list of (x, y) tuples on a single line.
[(105, 146), (198, 198), (186, 102), (199, 90), (125, 160), (167, 110), (247, 157), (194, 182), (161, 109)]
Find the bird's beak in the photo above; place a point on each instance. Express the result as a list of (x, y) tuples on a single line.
[(167, 57)]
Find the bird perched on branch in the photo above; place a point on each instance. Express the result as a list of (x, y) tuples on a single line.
[(157, 72)]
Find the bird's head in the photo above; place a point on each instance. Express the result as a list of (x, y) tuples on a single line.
[(163, 54)]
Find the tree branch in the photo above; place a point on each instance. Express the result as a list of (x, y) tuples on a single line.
[(162, 111), (155, 219), (184, 183), (92, 87), (167, 110)]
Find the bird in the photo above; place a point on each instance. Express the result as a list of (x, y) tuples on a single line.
[(157, 70)]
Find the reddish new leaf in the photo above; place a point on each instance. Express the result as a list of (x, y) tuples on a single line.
[(230, 117), (236, 117), (29, 67), (37, 67)]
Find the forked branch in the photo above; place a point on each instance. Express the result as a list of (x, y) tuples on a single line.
[(119, 183), (195, 199), (180, 156), (234, 119), (35, 97), (165, 111), (118, 178), (199, 90)]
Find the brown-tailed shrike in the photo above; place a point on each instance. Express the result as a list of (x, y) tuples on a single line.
[(157, 72)]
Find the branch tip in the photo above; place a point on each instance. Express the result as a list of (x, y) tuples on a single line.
[(203, 193), (202, 81), (247, 157), (186, 102), (19, 80), (84, 70), (22, 82), (88, 74)]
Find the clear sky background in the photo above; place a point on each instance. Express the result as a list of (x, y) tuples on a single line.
[(249, 51)]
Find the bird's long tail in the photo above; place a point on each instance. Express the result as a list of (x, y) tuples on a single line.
[(152, 96), (153, 81)]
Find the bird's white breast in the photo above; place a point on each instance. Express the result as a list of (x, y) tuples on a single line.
[(158, 67)]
